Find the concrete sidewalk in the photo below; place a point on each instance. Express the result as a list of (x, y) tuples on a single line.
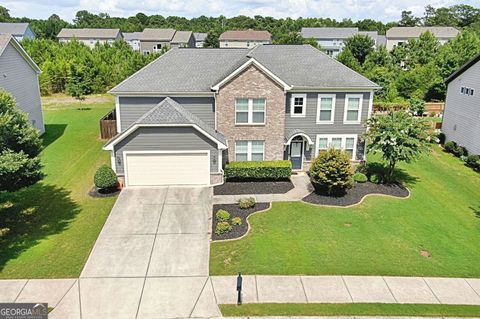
[(302, 188)]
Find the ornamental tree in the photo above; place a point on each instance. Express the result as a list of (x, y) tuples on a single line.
[(20, 145), (399, 137)]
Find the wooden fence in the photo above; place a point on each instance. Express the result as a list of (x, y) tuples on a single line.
[(108, 125), (435, 107)]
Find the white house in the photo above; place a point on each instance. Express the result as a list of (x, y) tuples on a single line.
[(399, 35), (90, 37)]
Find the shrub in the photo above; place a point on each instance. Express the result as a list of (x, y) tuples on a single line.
[(105, 178), (441, 138), (222, 215), (222, 228), (360, 178), (460, 151), (450, 146), (362, 168), (245, 203), (331, 172), (236, 221), (376, 178), (258, 170), (473, 161), (417, 107)]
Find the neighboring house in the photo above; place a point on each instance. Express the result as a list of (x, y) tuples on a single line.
[(199, 39), (332, 40), (185, 115), (153, 40), (399, 35), (90, 37), (19, 31), (244, 38), (461, 117), (133, 39), (19, 76)]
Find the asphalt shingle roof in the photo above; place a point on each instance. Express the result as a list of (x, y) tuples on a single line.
[(182, 36), (13, 28), (415, 32), (197, 70), (243, 35), (200, 36), (150, 34), (128, 36), (88, 33), (328, 33)]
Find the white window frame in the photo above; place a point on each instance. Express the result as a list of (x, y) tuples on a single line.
[(249, 149), (332, 118), (304, 106), (359, 118), (344, 137), (250, 111)]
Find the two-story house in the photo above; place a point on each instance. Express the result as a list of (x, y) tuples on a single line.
[(199, 39), (185, 115), (133, 39), (153, 40), (461, 117), (18, 30), (244, 38), (90, 37), (398, 35)]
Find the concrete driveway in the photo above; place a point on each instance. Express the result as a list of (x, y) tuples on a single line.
[(150, 260)]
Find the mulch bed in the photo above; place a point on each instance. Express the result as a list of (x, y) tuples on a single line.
[(355, 195), (235, 211), (99, 193), (260, 187)]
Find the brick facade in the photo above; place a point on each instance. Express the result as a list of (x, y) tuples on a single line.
[(253, 83)]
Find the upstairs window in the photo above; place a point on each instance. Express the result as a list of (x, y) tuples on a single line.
[(353, 109), (250, 111), (298, 105), (325, 108)]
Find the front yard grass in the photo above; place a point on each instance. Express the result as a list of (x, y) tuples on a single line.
[(54, 223), (359, 309), (381, 236)]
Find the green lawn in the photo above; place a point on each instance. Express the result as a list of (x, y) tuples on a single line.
[(54, 223), (434, 119), (350, 310), (382, 236)]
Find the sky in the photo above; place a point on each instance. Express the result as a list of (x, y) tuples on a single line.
[(384, 10)]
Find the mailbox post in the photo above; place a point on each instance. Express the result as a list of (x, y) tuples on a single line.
[(239, 289)]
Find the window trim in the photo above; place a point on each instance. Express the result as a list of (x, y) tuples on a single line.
[(249, 149), (359, 118), (250, 111), (292, 106), (332, 117), (344, 137)]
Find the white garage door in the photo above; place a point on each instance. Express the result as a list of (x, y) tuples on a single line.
[(156, 169)]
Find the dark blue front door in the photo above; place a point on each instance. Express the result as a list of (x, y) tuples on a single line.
[(296, 154)]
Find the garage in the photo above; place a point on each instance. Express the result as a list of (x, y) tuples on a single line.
[(167, 168)]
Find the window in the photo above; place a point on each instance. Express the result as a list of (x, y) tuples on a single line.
[(249, 111), (347, 143), (353, 108), (298, 105), (249, 150), (146, 52), (325, 108), (467, 91)]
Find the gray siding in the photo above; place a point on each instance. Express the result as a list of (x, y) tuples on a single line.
[(165, 139), (132, 108), (309, 125), (461, 121), (18, 78)]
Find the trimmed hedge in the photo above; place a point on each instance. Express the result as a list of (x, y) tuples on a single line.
[(105, 178), (258, 170)]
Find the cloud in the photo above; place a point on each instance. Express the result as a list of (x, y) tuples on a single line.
[(336, 9)]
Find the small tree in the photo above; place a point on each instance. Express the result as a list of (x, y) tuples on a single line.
[(331, 172), (399, 136), (20, 145), (360, 45), (417, 107)]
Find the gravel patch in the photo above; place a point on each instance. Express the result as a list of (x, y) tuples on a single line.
[(239, 230), (244, 188), (356, 194)]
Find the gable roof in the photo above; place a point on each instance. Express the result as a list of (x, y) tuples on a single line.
[(129, 36), (328, 33), (191, 70), (6, 39), (463, 68), (415, 32), (15, 29), (170, 113), (242, 35), (182, 36), (157, 34), (88, 33), (200, 36)]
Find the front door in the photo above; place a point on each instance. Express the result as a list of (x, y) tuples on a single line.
[(296, 154)]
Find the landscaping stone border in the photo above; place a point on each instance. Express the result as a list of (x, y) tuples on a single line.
[(238, 231), (257, 187), (357, 194)]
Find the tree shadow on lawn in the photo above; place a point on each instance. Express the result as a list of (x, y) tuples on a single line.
[(475, 211), (32, 214), (400, 174), (52, 133)]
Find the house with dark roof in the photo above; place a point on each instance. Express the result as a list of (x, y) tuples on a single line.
[(461, 117), (398, 35), (18, 30), (90, 37), (19, 76), (153, 40), (244, 38), (184, 116)]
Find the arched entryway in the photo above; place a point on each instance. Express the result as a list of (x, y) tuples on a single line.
[(298, 149)]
